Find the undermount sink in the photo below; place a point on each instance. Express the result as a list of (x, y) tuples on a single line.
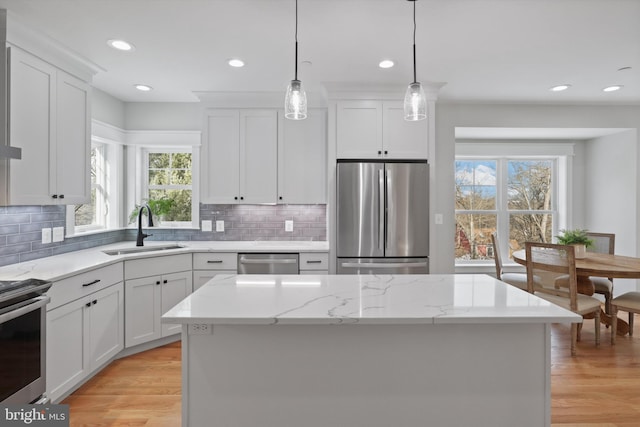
[(139, 249)]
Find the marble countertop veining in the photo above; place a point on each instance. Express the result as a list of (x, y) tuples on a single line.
[(363, 299), (60, 266)]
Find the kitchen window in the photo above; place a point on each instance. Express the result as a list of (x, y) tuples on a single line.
[(168, 185), (522, 197), (93, 216)]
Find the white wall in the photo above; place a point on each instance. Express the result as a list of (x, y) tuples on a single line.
[(107, 109), (163, 116), (610, 206), (452, 115)]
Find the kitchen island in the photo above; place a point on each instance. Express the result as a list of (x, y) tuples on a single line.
[(349, 350)]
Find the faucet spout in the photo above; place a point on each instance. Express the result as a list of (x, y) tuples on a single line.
[(141, 235)]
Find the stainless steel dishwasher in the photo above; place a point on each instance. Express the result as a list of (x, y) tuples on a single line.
[(261, 263)]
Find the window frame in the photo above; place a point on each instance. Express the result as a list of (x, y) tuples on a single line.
[(502, 152)]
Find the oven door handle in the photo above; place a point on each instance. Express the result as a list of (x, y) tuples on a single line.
[(23, 308)]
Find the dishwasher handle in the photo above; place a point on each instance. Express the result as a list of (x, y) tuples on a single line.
[(244, 260)]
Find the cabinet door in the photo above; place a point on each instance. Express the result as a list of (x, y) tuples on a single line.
[(106, 324), (67, 363), (258, 156), (359, 130), (142, 310), (31, 102), (220, 160), (175, 287), (302, 159), (72, 142), (402, 139)]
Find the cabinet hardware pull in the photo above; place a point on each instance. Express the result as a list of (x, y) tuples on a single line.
[(62, 196), (280, 197), (235, 198), (90, 283), (241, 198), (379, 152), (165, 281), (95, 301), (214, 261), (88, 304), (158, 282), (314, 261), (386, 152), (55, 196)]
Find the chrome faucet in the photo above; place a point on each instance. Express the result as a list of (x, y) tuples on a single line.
[(141, 235)]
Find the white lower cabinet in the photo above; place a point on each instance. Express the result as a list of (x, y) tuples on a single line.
[(314, 263), (148, 298), (209, 264), (83, 335)]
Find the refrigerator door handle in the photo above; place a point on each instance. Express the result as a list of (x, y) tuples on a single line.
[(383, 264), (381, 208)]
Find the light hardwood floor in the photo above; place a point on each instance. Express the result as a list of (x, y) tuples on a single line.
[(599, 387)]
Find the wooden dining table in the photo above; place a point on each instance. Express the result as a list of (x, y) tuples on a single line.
[(599, 265)]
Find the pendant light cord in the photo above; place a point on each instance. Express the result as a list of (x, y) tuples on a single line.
[(414, 40), (296, 73)]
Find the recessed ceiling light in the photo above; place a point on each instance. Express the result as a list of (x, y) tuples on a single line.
[(387, 63), (560, 88), (143, 88), (121, 45), (237, 63), (612, 88)]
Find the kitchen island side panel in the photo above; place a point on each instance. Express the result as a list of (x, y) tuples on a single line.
[(367, 375)]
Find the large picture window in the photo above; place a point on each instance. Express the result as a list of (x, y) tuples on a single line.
[(514, 196)]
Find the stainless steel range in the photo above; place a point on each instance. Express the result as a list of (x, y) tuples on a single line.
[(23, 341)]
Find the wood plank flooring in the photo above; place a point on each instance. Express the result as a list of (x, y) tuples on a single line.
[(599, 387)]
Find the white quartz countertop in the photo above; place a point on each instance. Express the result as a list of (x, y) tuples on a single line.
[(363, 299), (60, 266)]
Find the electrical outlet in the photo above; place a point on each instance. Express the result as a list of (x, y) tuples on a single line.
[(46, 235), (288, 225), (438, 219), (200, 329), (58, 234), (220, 225), (206, 225)]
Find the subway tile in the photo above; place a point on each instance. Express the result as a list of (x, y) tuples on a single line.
[(30, 256), (11, 259), (48, 216), (23, 209), (24, 237), (15, 249), (9, 229), (22, 218)]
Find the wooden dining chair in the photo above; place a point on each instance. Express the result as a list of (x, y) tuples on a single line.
[(603, 243), (519, 280), (560, 259)]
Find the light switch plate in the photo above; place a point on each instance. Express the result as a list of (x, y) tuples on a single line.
[(58, 234), (46, 235), (220, 225), (288, 225), (206, 225)]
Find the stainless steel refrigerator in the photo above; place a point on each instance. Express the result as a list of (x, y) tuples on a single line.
[(382, 217)]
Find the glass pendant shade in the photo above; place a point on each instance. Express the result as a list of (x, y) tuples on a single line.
[(415, 104), (295, 102)]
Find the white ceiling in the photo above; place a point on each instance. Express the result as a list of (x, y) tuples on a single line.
[(483, 50)]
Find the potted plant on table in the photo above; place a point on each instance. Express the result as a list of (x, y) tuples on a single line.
[(578, 238)]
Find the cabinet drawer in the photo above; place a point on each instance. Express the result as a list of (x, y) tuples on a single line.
[(74, 287), (215, 261), (314, 261), (146, 267)]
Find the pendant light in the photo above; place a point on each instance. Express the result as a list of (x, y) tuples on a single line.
[(415, 104), (295, 102)]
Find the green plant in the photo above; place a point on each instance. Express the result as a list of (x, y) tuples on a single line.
[(159, 208), (574, 237)]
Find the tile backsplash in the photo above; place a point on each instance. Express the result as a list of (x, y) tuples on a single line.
[(21, 235)]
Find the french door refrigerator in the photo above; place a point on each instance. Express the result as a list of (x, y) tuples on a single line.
[(382, 217)]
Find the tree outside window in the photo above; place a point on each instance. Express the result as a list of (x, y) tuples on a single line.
[(513, 196), (169, 185)]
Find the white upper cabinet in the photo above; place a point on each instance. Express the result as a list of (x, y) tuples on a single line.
[(370, 129), (302, 159), (239, 157), (49, 118)]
